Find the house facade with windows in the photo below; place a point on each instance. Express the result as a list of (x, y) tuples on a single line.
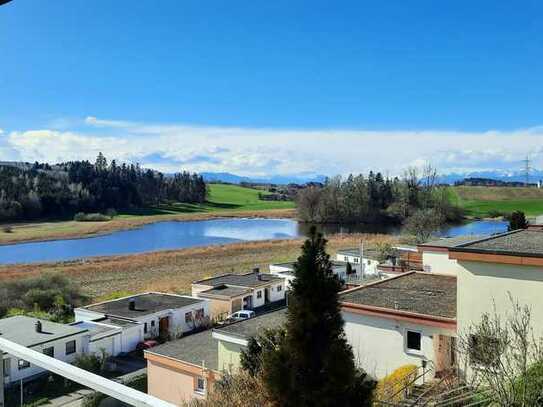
[(146, 316), (229, 293), (62, 342), (186, 369), (407, 319), (494, 270), (359, 262)]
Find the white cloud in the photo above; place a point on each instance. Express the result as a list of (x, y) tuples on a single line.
[(260, 152)]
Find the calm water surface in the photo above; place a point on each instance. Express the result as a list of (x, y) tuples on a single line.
[(177, 235)]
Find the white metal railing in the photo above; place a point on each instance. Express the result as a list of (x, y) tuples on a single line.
[(95, 382)]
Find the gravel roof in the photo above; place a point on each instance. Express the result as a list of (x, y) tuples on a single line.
[(520, 243), (421, 293), (195, 349), (252, 327), (146, 304), (448, 242), (250, 280), (22, 330), (94, 328)]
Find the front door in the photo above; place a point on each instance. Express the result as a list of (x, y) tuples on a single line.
[(445, 353), (266, 295), (163, 327)]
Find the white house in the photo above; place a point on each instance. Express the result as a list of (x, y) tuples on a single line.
[(407, 319), (229, 293), (145, 316), (356, 257), (63, 342)]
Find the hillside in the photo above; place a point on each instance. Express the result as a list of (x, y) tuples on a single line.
[(492, 201)]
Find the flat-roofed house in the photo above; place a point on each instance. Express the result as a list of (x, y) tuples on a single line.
[(187, 368), (62, 342), (148, 315), (358, 260), (493, 269), (229, 293), (435, 253), (407, 319)]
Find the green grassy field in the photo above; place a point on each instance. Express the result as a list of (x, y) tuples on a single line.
[(489, 201), (222, 197)]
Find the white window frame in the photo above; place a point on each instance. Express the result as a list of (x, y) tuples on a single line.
[(410, 350), (259, 294), (66, 347), (200, 390)]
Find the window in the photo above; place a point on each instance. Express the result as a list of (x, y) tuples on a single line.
[(356, 259), (279, 288), (345, 258), (23, 364), (49, 351), (259, 294), (70, 347), (483, 351), (188, 317), (145, 329), (7, 367), (152, 324), (200, 384), (413, 341)]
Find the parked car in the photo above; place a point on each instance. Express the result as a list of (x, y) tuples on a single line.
[(146, 345), (241, 315)]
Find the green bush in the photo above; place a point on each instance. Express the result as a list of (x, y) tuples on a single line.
[(91, 217)]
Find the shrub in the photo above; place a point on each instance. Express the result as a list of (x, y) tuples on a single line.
[(90, 363), (91, 217), (390, 387)]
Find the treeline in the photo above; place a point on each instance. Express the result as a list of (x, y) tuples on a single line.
[(43, 190), (374, 198)]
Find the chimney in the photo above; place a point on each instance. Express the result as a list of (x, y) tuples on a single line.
[(256, 272), (38, 327), (131, 304)]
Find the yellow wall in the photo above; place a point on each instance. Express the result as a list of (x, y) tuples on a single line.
[(168, 384), (481, 285), (229, 356)]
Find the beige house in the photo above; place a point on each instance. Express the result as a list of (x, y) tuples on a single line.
[(182, 370), (230, 292), (492, 269)]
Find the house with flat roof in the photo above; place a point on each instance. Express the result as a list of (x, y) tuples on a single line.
[(186, 368), (230, 292), (360, 262), (407, 319), (435, 253), (146, 316), (59, 341), (491, 270)]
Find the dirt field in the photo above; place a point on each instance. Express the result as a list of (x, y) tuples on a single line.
[(174, 271)]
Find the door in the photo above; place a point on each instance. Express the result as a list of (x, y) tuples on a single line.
[(266, 295), (445, 353), (163, 327)]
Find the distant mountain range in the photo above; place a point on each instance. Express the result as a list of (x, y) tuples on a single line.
[(273, 179), (507, 176)]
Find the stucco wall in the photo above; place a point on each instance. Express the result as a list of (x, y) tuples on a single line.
[(229, 354), (379, 344), (483, 285), (168, 384), (439, 262)]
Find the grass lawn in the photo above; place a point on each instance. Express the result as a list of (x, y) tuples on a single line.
[(486, 201), (222, 197), (224, 200)]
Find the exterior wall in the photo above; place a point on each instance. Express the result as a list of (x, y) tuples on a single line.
[(481, 286), (439, 262), (131, 337), (379, 343), (111, 344), (218, 308), (16, 375), (175, 381), (229, 354), (168, 384)]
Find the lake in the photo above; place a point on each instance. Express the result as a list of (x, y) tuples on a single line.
[(178, 235)]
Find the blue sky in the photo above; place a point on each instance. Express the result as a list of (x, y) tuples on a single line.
[(248, 86)]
